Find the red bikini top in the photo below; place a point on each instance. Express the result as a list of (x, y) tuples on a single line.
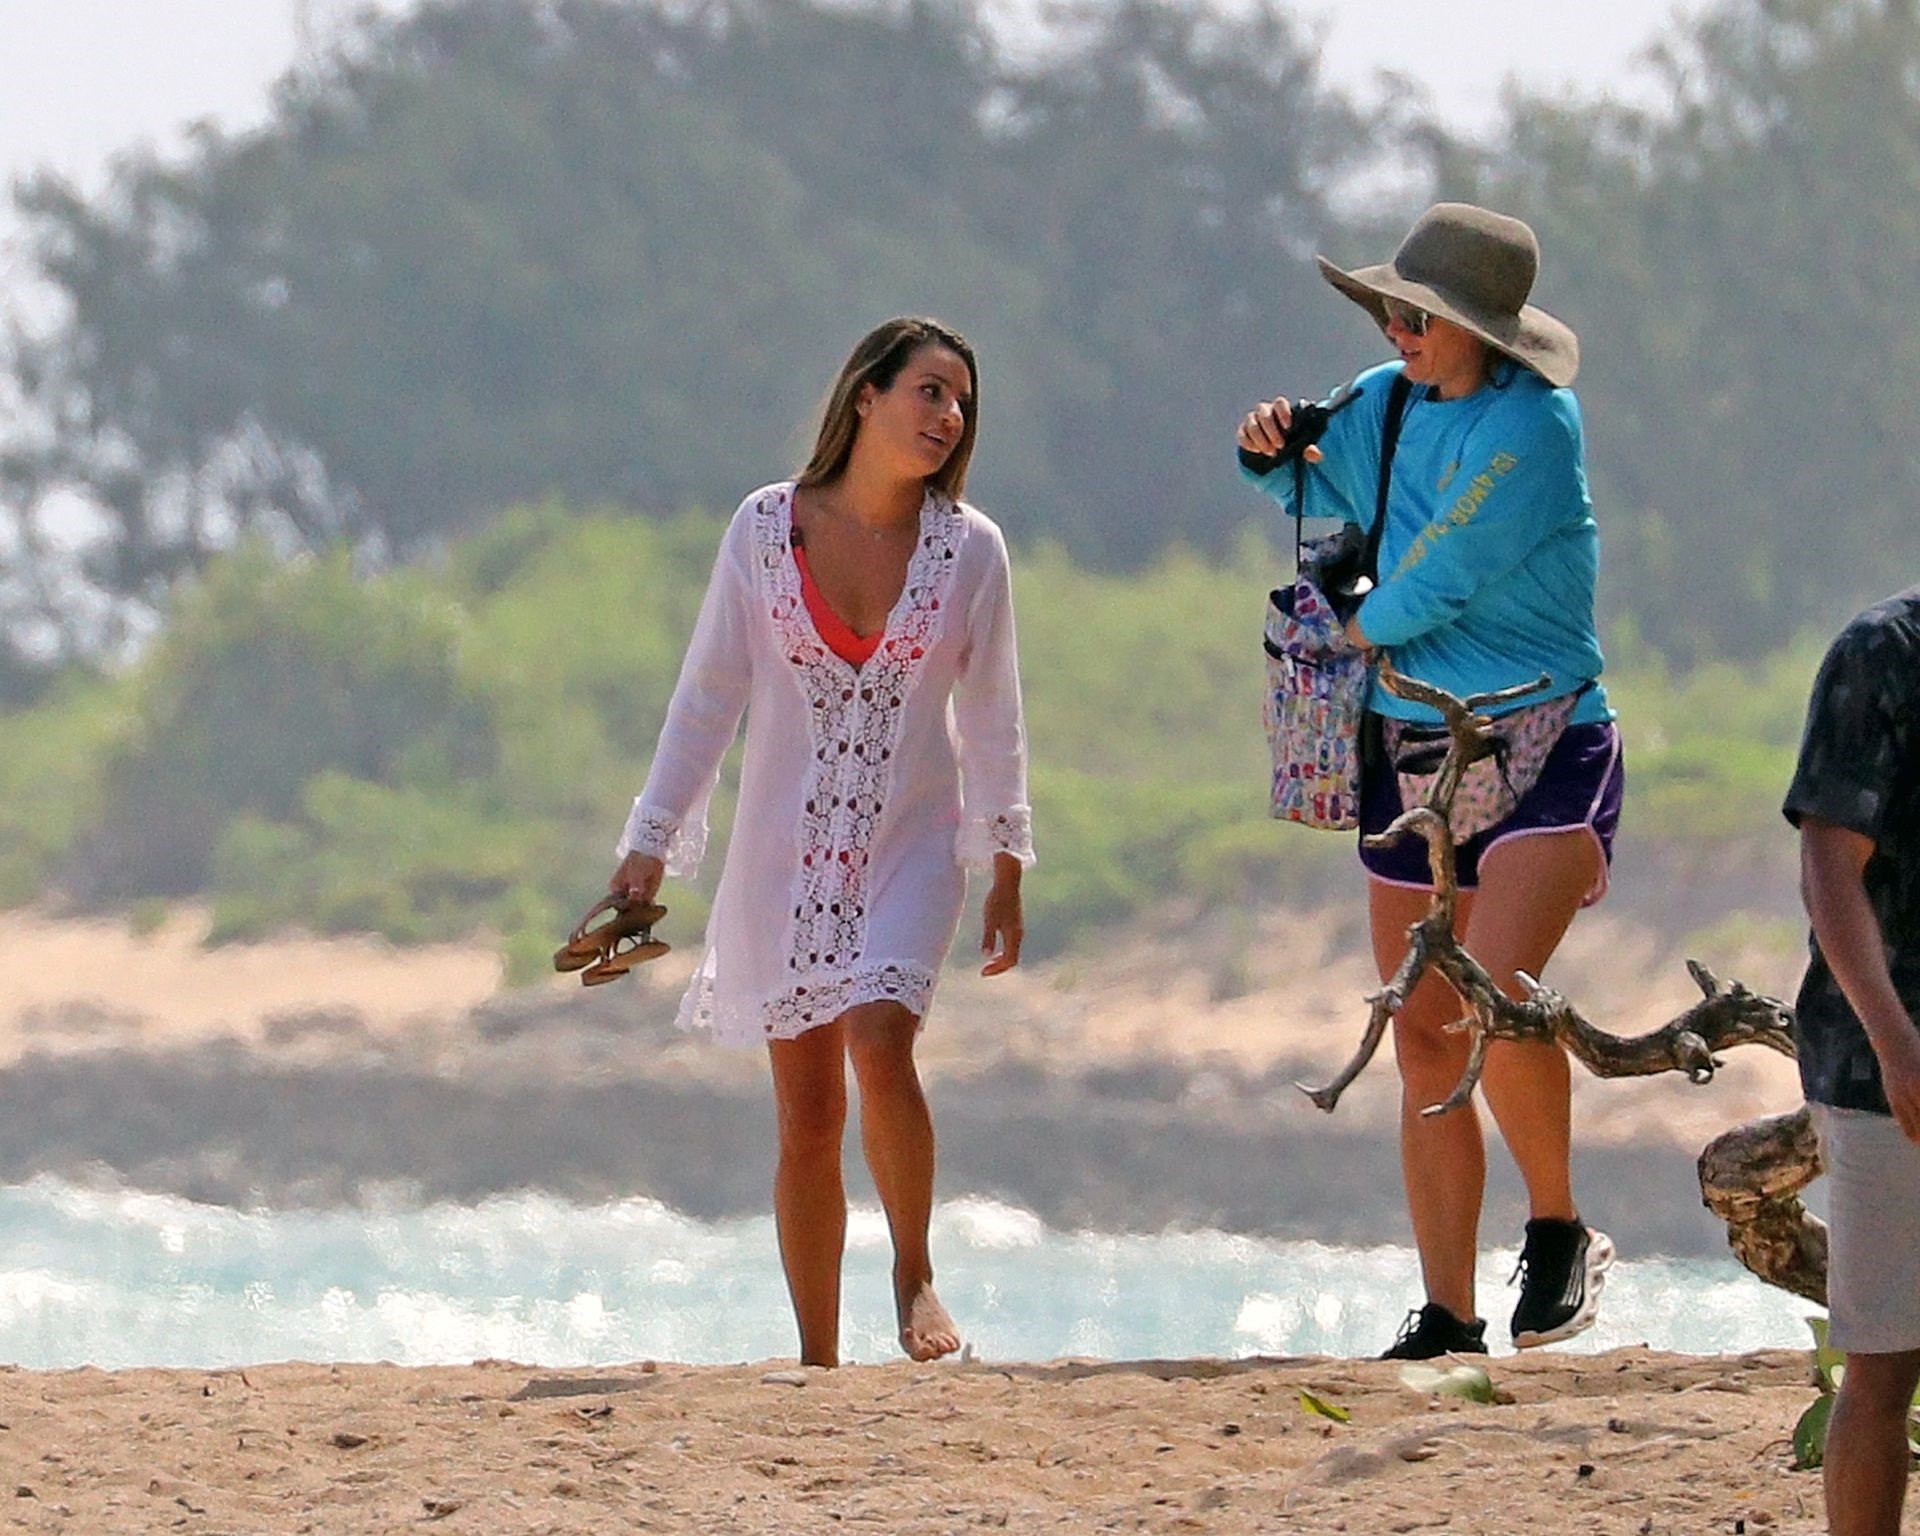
[(836, 632)]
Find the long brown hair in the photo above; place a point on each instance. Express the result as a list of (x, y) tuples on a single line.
[(877, 360)]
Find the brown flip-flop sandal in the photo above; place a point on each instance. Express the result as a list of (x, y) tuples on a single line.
[(620, 961), (589, 942)]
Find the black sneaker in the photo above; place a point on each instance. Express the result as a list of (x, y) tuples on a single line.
[(1432, 1331), (1563, 1265)]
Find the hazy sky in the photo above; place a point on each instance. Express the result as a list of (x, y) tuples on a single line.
[(1464, 50), (81, 78)]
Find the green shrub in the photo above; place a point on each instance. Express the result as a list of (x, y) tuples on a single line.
[(450, 750), (52, 778), (268, 675)]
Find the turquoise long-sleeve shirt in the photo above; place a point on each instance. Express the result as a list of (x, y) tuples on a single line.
[(1490, 553)]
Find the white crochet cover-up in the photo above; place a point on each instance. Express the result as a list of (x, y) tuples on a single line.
[(865, 791)]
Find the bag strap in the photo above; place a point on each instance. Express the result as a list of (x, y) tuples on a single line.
[(1397, 398), (1398, 394)]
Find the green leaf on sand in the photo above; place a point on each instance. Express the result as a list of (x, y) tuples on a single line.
[(1326, 1410)]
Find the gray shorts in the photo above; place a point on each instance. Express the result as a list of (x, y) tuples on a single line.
[(1873, 1261)]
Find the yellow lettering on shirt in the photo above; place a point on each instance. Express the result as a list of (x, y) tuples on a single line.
[(1463, 511)]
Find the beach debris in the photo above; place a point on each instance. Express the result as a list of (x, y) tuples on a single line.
[(1314, 1403), (784, 1379), (1750, 1177), (1354, 1463), (582, 1386), (439, 1509), (1469, 1382), (347, 1440)]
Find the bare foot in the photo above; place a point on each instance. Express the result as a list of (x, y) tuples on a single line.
[(926, 1331)]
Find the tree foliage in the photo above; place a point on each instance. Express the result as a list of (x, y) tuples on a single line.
[(434, 753), (498, 250), (493, 251)]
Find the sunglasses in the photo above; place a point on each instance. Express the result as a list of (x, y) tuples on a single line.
[(1410, 317)]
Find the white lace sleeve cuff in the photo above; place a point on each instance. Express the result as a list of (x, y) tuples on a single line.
[(679, 846), (1008, 831)]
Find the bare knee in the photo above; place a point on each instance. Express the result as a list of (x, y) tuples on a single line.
[(1426, 1041), (880, 1044), (812, 1125)]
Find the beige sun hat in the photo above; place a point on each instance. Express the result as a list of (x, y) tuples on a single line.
[(1475, 268)]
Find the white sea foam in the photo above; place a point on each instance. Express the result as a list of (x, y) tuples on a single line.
[(119, 1278)]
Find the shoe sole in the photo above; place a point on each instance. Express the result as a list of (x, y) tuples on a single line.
[(1600, 1256)]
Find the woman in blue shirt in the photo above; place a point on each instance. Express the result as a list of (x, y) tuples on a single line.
[(1486, 568)]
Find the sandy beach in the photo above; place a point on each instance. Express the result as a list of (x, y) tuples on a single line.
[(1630, 1442)]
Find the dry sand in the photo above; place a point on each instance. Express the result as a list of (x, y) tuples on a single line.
[(70, 985), (1630, 1442)]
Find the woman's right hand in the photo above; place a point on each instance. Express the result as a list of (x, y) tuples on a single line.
[(638, 877), (1263, 430)]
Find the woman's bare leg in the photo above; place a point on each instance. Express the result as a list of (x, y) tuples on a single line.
[(1530, 889), (1442, 1158), (809, 1200), (896, 1132)]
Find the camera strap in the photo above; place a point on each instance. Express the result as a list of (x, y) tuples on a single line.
[(1398, 394)]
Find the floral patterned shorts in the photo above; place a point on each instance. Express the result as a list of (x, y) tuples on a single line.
[(1580, 787)]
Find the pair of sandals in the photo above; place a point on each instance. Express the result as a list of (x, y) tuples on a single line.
[(605, 951)]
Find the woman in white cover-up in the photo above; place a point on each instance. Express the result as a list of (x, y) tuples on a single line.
[(861, 617)]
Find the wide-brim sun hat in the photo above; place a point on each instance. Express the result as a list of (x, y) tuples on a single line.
[(1476, 268)]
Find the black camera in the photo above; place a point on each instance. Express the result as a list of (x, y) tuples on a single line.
[(1309, 425)]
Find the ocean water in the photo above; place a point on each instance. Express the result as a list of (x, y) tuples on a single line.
[(121, 1278)]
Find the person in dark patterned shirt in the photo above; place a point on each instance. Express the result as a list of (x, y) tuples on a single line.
[(1856, 800)]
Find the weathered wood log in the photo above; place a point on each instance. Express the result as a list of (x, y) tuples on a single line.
[(1750, 1177)]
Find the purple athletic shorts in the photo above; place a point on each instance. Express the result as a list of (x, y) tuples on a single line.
[(1579, 789)]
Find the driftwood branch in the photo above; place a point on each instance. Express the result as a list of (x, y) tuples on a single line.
[(1750, 1177)]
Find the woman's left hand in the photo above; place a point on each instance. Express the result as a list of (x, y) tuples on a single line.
[(1003, 926)]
